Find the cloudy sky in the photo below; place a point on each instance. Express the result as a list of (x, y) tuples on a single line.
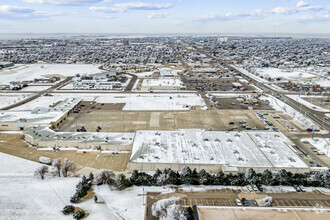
[(164, 16)]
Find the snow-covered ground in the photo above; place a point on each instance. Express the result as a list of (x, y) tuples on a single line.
[(7, 99), (235, 149), (127, 204), (35, 88), (32, 71), (133, 101), (286, 74), (321, 144), (25, 197), (308, 104), (278, 105)]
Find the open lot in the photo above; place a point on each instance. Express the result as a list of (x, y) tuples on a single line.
[(217, 84), (130, 121), (234, 103)]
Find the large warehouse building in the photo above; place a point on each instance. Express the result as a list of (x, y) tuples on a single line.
[(214, 151)]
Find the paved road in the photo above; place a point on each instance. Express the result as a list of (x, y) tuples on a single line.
[(38, 94), (317, 117)]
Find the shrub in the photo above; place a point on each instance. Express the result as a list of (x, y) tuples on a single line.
[(68, 210), (79, 214)]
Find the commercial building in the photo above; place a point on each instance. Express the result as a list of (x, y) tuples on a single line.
[(213, 151)]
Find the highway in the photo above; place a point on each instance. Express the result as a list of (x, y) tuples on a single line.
[(316, 116)]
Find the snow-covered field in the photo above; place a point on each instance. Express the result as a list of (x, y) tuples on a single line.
[(25, 197), (243, 149), (133, 101), (32, 71), (321, 144), (286, 74), (7, 99), (308, 104)]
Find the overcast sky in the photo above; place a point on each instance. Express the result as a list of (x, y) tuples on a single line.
[(164, 16)]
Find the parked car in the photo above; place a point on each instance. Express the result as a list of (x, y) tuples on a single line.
[(302, 189), (260, 187), (238, 202), (231, 123), (45, 160), (245, 202), (249, 188), (255, 188)]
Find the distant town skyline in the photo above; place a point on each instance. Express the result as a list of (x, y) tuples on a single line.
[(164, 16)]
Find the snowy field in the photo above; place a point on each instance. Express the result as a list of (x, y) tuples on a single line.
[(138, 102), (25, 197), (7, 99), (32, 71), (321, 144), (308, 104), (286, 74), (236, 149)]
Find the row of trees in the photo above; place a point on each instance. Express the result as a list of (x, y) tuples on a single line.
[(192, 177)]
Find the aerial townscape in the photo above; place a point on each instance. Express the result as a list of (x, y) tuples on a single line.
[(218, 116)]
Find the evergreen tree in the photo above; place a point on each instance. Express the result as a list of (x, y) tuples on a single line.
[(186, 175), (204, 177), (121, 182), (68, 210), (266, 177), (219, 178), (90, 177), (194, 177), (189, 213), (134, 177), (79, 214), (250, 176)]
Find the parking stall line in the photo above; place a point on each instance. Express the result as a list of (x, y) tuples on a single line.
[(322, 203), (212, 202), (291, 203), (282, 202), (304, 202), (276, 203)]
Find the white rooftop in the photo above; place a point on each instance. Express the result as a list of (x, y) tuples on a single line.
[(235, 149)]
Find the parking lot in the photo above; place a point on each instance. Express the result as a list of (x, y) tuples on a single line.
[(130, 121)]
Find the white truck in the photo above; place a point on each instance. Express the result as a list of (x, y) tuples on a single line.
[(45, 160)]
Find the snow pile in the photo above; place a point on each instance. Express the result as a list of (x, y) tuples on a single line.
[(167, 209), (278, 105), (267, 201)]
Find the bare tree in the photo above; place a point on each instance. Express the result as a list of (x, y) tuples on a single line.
[(57, 163), (104, 176), (41, 171), (68, 166)]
